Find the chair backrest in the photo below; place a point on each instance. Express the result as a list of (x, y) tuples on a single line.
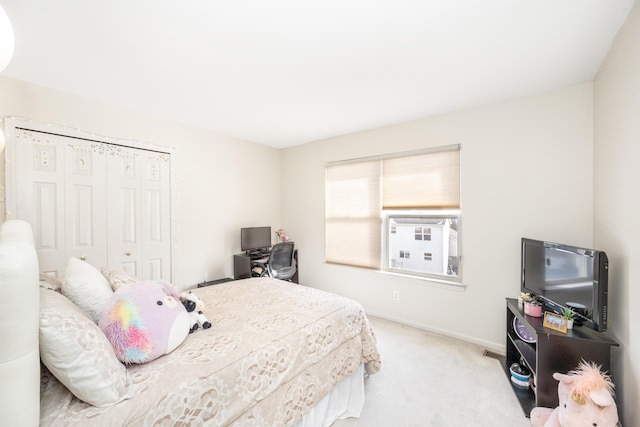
[(281, 255)]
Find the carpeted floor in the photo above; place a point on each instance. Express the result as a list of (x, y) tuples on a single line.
[(428, 380)]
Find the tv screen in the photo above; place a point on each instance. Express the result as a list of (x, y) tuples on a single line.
[(567, 277), (255, 238)]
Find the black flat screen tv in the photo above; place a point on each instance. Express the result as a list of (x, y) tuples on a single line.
[(255, 239), (567, 276)]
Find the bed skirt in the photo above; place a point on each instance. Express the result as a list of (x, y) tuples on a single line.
[(345, 400)]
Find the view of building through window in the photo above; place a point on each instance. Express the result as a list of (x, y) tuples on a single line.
[(423, 244)]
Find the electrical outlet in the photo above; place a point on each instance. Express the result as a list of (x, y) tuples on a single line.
[(396, 295)]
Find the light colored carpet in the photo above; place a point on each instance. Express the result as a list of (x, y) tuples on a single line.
[(430, 380)]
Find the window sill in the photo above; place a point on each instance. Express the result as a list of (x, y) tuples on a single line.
[(450, 284)]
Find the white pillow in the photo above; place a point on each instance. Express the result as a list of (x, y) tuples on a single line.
[(86, 287), (78, 354)]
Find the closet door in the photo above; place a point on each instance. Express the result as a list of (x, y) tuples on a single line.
[(60, 187), (85, 209), (156, 216), (103, 202), (40, 177), (138, 190), (124, 169)]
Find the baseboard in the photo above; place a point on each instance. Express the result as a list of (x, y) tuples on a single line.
[(488, 345)]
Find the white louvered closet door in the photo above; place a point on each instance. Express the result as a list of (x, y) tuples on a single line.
[(102, 202)]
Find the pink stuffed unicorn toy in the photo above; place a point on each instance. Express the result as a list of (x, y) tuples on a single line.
[(144, 321), (585, 398)]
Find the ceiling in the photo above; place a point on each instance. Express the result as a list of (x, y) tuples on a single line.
[(286, 72)]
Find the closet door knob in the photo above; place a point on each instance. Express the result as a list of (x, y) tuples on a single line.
[(127, 253), (83, 257)]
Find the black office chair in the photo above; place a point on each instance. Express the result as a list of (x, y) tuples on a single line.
[(281, 264)]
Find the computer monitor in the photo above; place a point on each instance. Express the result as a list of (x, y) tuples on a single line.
[(254, 239)]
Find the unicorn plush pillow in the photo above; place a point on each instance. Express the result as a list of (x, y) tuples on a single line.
[(585, 398), (144, 321)]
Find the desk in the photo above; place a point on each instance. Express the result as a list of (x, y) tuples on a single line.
[(243, 266)]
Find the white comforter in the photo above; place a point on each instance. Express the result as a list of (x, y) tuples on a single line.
[(274, 350)]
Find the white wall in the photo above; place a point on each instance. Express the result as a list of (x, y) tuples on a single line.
[(223, 183), (526, 171), (617, 204)]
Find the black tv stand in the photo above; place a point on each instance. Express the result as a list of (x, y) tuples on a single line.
[(552, 352)]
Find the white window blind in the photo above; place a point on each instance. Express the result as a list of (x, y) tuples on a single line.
[(352, 214), (356, 192), (426, 181)]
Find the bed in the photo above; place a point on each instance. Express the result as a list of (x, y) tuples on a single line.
[(277, 354)]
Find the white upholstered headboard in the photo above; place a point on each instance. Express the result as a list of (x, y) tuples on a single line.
[(19, 326)]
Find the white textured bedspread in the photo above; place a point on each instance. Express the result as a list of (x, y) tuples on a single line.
[(274, 350)]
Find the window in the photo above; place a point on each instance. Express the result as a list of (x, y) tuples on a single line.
[(423, 233), (379, 210), (438, 242)]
